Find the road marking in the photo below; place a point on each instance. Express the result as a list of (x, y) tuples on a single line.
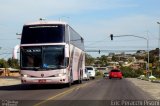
[(61, 94), (65, 92)]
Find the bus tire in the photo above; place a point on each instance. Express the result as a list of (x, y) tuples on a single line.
[(70, 79), (79, 81), (69, 84), (80, 78)]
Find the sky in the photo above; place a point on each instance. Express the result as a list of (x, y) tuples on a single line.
[(94, 20)]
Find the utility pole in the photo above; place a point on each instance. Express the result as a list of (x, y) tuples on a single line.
[(159, 47)]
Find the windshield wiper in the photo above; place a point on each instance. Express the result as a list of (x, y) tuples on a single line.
[(31, 68), (36, 68), (61, 66)]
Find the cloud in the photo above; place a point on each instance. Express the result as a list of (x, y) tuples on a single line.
[(19, 12), (126, 25), (31, 9), (93, 19), (134, 24)]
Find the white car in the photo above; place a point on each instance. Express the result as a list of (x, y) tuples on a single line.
[(91, 71), (106, 74), (86, 75)]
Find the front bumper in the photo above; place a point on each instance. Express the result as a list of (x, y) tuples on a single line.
[(50, 80)]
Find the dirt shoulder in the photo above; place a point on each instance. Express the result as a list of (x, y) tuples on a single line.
[(152, 88), (7, 81)]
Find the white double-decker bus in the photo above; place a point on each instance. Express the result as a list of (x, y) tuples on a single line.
[(51, 52)]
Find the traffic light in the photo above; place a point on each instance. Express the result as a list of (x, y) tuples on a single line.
[(111, 36)]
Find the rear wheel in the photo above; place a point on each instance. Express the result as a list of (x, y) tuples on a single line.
[(80, 77), (80, 80)]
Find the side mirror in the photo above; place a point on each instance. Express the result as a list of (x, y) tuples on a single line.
[(67, 50)]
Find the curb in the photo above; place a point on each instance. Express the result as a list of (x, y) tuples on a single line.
[(155, 81), (10, 77)]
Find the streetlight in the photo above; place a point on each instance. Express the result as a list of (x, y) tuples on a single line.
[(61, 18), (147, 65), (159, 46), (19, 35)]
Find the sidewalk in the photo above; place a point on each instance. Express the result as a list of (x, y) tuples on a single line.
[(152, 88)]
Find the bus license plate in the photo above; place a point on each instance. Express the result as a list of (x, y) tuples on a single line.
[(42, 81)]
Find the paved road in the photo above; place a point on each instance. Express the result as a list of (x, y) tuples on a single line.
[(96, 92)]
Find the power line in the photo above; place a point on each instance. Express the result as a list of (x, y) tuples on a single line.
[(110, 50)]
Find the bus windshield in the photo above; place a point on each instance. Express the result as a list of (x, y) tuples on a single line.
[(43, 57), (43, 34)]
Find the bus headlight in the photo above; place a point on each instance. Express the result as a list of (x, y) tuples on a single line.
[(24, 75), (60, 75)]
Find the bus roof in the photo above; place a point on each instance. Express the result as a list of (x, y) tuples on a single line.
[(43, 22)]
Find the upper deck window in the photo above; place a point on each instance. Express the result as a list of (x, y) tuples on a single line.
[(43, 34)]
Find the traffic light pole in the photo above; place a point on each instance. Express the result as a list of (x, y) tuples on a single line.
[(147, 65)]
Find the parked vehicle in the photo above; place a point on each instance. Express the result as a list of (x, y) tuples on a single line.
[(91, 71), (86, 75), (106, 74), (115, 73), (101, 69)]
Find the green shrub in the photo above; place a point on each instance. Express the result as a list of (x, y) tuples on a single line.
[(130, 73), (99, 73)]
